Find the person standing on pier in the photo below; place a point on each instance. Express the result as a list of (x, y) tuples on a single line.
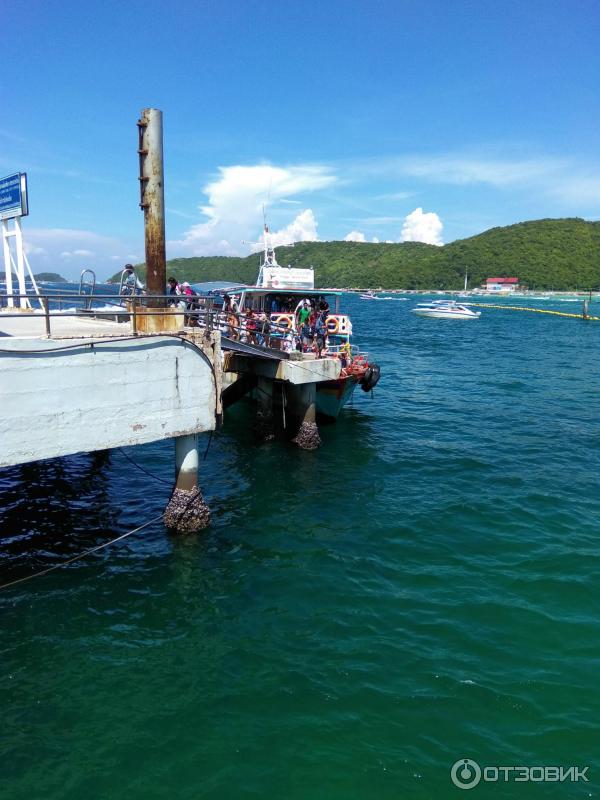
[(130, 283)]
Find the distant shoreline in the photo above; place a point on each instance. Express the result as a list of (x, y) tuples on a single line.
[(471, 292)]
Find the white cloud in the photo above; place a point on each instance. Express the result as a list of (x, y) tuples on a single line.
[(355, 236), (375, 240), (302, 229), (395, 196), (69, 250), (460, 170), (422, 227), (31, 250), (569, 180), (76, 254), (234, 210)]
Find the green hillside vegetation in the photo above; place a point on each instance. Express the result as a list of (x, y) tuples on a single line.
[(52, 277), (551, 254)]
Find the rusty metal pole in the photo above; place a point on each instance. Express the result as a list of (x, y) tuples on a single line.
[(152, 200)]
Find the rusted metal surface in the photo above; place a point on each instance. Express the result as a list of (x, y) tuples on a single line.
[(153, 200)]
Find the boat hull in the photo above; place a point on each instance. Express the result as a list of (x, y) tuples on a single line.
[(445, 314), (332, 396)]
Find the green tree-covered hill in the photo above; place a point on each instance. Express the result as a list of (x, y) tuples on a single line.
[(557, 254), (53, 277)]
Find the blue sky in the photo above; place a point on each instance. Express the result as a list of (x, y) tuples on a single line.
[(384, 121)]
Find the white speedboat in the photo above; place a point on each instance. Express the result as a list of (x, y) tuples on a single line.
[(445, 309), (370, 295)]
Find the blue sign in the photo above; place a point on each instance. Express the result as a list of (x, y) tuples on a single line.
[(13, 196)]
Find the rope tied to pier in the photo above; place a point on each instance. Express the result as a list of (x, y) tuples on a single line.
[(81, 555)]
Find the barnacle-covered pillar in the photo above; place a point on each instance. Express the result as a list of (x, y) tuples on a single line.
[(186, 511), (303, 409)]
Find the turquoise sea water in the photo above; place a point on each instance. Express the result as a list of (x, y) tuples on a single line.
[(424, 588)]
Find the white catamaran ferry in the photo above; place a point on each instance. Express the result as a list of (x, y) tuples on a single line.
[(277, 297)]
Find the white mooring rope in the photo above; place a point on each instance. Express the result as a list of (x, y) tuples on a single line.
[(81, 555)]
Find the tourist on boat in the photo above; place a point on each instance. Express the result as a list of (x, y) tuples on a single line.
[(191, 304), (251, 327), (233, 326), (321, 333), (323, 306), (306, 335), (302, 313), (174, 291), (264, 331), (287, 342), (174, 287), (230, 304)]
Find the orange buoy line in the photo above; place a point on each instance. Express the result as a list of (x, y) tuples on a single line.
[(535, 310)]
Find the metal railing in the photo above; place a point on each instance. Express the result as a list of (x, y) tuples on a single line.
[(198, 312)]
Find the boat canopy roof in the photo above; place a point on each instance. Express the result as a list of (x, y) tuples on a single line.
[(272, 290), (283, 290)]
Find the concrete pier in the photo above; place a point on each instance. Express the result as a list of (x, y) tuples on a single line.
[(70, 395), (186, 511)]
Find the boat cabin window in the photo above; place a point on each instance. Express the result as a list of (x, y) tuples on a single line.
[(283, 303)]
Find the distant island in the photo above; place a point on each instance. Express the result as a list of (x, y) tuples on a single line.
[(546, 254), (51, 277)]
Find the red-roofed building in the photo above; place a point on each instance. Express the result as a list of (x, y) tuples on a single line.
[(502, 284)]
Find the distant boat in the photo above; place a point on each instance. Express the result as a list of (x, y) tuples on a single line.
[(445, 309), (369, 295)]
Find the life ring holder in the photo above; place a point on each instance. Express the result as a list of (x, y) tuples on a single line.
[(282, 321), (333, 325)]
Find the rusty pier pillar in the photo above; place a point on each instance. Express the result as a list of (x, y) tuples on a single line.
[(264, 426), (152, 200), (186, 511)]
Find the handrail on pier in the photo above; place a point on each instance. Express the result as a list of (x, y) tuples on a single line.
[(135, 306), (84, 282)]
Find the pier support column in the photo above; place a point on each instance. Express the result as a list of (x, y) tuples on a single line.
[(265, 421), (186, 511), (302, 402)]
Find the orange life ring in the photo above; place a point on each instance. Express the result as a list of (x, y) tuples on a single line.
[(333, 325), (282, 321)]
